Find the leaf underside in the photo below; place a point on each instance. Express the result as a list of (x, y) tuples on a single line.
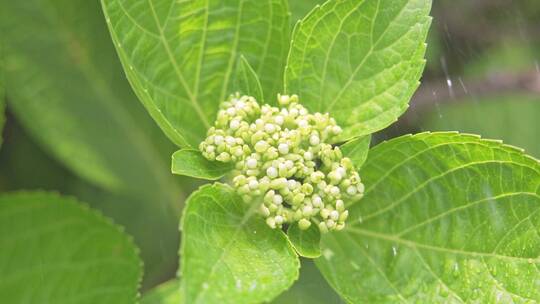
[(446, 217), (55, 250), (180, 56), (357, 150), (305, 242), (192, 163), (359, 60), (229, 254)]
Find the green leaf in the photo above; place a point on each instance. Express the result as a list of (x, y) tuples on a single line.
[(166, 293), (191, 163), (229, 254), (305, 242), (92, 123), (512, 118), (248, 82), (310, 288), (359, 60), (180, 56), (56, 250), (67, 88), (357, 150), (299, 9), (446, 217)]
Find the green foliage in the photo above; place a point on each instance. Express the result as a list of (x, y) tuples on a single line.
[(166, 293), (229, 254), (507, 117), (71, 121), (357, 150), (359, 60), (191, 163), (445, 218), (71, 95), (181, 56), (55, 250), (305, 242), (311, 288), (247, 81)]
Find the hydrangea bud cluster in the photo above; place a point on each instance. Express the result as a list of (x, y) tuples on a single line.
[(284, 156)]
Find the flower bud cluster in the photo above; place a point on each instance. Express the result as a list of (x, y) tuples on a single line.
[(284, 156)]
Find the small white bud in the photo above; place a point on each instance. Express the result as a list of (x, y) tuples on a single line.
[(336, 130), (284, 99), (341, 171), (240, 105), (271, 172), (307, 210), (271, 222), (334, 215), (283, 148), (308, 155), (302, 123), (334, 191), (278, 199), (230, 140), (231, 111), (351, 190), (253, 184), (314, 140), (279, 120), (270, 128), (289, 164), (279, 219), (340, 206), (316, 201), (235, 124), (251, 163), (218, 140), (261, 146)]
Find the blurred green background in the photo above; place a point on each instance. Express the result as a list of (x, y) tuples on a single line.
[(74, 126)]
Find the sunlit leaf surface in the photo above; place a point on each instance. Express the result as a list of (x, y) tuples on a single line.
[(228, 252), (359, 60), (181, 56), (446, 218)]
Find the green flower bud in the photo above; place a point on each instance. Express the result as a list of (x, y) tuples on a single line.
[(284, 155)]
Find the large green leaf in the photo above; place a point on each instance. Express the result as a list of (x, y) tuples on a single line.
[(512, 118), (55, 250), (445, 218), (67, 88), (229, 254), (359, 60), (192, 163), (180, 56)]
